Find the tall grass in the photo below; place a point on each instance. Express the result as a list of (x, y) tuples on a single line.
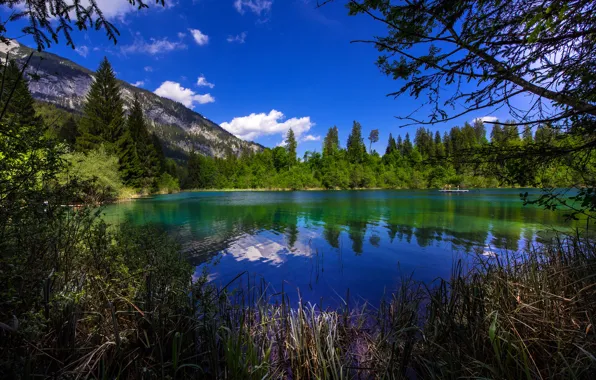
[(130, 311)]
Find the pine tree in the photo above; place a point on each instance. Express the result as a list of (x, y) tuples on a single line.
[(439, 146), (355, 147), (103, 114), (146, 150), (291, 145), (391, 145), (407, 145), (69, 131), (161, 157), (331, 142), (20, 110), (128, 159)]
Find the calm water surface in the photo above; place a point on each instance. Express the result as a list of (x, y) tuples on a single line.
[(325, 243)]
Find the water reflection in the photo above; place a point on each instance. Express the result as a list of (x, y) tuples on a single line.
[(359, 238)]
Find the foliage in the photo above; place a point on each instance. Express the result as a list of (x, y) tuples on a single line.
[(98, 166), (469, 56), (103, 120), (291, 145), (48, 19), (167, 184), (432, 161)]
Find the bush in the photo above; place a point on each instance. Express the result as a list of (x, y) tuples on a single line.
[(98, 166), (167, 184)]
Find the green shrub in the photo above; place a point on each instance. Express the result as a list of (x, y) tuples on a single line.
[(97, 165), (167, 184)]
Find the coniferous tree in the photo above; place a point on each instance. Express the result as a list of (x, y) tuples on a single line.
[(391, 145), (439, 146), (291, 145), (161, 158), (15, 92), (69, 131), (480, 131), (356, 150), (103, 119), (129, 161), (408, 147), (149, 158), (331, 142)]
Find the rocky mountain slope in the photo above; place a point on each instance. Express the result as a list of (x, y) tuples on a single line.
[(59, 81)]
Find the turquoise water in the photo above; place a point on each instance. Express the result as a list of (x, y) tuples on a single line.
[(324, 243)]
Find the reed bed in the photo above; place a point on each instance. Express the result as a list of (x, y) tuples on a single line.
[(529, 315)]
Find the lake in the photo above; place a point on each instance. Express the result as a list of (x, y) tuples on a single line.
[(326, 242)]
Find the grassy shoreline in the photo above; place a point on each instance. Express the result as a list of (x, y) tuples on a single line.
[(337, 189)]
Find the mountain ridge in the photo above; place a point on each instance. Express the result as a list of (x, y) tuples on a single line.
[(57, 80)]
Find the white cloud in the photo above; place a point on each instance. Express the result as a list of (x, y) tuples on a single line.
[(255, 125), (202, 81), (311, 138), (148, 69), (186, 96), (153, 46), (255, 6), (490, 119), (240, 38), (200, 38), (181, 35), (138, 83), (82, 50)]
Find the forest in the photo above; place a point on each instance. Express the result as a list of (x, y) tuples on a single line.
[(430, 160), (118, 152)]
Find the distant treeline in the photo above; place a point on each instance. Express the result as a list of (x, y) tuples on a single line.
[(458, 158)]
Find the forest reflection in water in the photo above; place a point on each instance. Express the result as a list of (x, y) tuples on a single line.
[(362, 240)]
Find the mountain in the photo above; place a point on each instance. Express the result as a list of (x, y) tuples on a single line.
[(59, 81)]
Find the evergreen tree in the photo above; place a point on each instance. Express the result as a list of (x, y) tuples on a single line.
[(496, 135), (15, 92), (103, 114), (356, 150), (480, 132), (439, 146), (447, 144), (408, 148), (291, 146), (69, 131), (194, 171), (400, 145), (129, 162), (391, 145), (527, 135), (331, 142), (146, 151), (161, 158)]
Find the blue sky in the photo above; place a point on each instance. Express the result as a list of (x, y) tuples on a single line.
[(265, 65)]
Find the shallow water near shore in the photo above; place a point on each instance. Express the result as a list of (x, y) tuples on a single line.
[(319, 244)]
